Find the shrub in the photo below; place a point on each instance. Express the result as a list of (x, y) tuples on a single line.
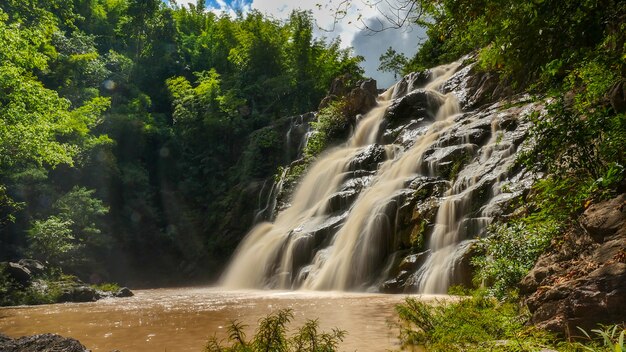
[(331, 125), (271, 335), (509, 252), (482, 323), (476, 323)]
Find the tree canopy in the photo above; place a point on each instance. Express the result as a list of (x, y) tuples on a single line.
[(124, 122)]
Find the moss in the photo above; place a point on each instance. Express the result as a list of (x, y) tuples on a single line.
[(457, 165), (416, 239), (331, 126), (107, 287)]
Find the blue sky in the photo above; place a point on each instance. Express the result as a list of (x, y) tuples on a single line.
[(235, 4), (349, 29)]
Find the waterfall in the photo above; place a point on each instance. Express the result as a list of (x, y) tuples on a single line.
[(258, 254), (341, 231), (457, 220)]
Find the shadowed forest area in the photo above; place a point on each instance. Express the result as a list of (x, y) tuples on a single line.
[(124, 125)]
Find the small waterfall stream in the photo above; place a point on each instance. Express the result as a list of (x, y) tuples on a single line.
[(341, 230), (257, 255)]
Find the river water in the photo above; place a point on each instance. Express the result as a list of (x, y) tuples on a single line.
[(183, 319)]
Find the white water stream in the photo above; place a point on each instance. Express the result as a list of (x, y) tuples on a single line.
[(267, 257)]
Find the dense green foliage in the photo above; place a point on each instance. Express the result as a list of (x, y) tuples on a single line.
[(481, 323), (271, 335), (331, 125), (571, 54), (524, 40), (47, 287), (124, 123)]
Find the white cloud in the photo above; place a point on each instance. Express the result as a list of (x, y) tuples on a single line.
[(351, 29)]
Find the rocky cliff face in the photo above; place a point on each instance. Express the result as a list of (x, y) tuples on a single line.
[(581, 281), (450, 149), (398, 207)]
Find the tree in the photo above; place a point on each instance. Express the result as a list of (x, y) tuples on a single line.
[(72, 238), (391, 61)]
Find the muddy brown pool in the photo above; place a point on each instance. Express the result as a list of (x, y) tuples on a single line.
[(182, 319)]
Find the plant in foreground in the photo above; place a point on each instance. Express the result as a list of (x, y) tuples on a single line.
[(483, 323), (271, 335), (611, 338)]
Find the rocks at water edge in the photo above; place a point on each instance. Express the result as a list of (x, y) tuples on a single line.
[(41, 343), (123, 292), (30, 275), (582, 281), (18, 273)]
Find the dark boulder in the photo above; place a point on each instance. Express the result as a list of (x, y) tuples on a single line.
[(79, 294), (41, 343), (358, 101), (369, 85), (418, 105), (485, 87), (368, 158), (124, 292), (18, 273), (410, 82)]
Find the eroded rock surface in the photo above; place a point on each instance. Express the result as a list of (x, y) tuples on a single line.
[(581, 282)]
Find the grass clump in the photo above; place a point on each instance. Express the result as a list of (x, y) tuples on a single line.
[(272, 335), (480, 322), (107, 287), (606, 338)]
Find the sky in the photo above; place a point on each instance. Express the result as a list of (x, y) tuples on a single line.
[(350, 29)]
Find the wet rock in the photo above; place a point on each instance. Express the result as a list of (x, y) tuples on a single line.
[(418, 105), (41, 343), (368, 158), (348, 192), (411, 82), (401, 283), (413, 261), (124, 292), (417, 215), (464, 270), (448, 161), (583, 281)]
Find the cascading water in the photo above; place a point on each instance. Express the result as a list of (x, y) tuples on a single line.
[(259, 254), (341, 230)]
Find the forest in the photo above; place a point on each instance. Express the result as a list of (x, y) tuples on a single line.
[(136, 135), (124, 125)]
